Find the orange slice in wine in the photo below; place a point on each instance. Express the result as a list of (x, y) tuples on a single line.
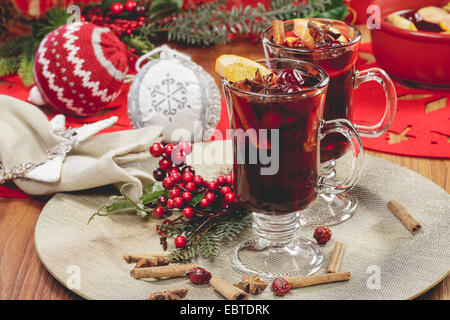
[(236, 68)]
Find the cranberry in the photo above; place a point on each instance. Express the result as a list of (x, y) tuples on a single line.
[(198, 275), (204, 203), (221, 180), (187, 196), (229, 179), (175, 192), (322, 234), (168, 183), (168, 150), (140, 9), (180, 241), (174, 170), (212, 185), (210, 197), (159, 174), (185, 147), (190, 186), (280, 286), (170, 204), (156, 149), (176, 177), (165, 164), (116, 8), (198, 180), (290, 77), (188, 212), (291, 89), (225, 190), (230, 197), (188, 176), (178, 202), (158, 212), (130, 5), (162, 200)]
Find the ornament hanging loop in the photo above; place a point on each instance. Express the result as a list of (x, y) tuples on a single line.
[(165, 53)]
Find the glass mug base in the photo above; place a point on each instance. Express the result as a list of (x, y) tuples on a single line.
[(279, 254), (329, 209)]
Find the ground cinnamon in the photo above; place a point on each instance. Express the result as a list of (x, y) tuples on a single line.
[(227, 289), (170, 271), (306, 281), (336, 257), (404, 216)]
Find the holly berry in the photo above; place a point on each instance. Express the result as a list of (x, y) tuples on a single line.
[(198, 180), (174, 170), (168, 183), (188, 212), (280, 286), (225, 190), (188, 176), (230, 197), (159, 212), (188, 169), (184, 147), (116, 8), (130, 5), (170, 204), (229, 179), (178, 202), (168, 150), (159, 174), (166, 222), (175, 192), (221, 180), (179, 158), (322, 234), (175, 176), (165, 164), (198, 276), (212, 185), (190, 186), (204, 203), (180, 241), (187, 196), (140, 9), (162, 200), (210, 197)]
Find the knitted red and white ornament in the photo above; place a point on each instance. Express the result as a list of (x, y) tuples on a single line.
[(79, 69)]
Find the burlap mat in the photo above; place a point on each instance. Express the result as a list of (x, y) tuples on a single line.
[(374, 241)]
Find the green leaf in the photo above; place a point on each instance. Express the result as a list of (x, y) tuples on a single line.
[(152, 197), (163, 8), (196, 199)]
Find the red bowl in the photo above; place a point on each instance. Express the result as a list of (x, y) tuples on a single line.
[(414, 56)]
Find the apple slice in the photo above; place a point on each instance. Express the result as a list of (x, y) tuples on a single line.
[(401, 22), (302, 31), (432, 14)]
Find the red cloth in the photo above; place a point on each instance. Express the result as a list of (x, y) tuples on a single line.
[(428, 136)]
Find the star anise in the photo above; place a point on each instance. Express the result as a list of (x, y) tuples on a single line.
[(322, 34), (253, 285), (177, 294), (264, 84)]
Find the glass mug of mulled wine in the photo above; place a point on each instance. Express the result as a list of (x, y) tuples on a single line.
[(333, 45), (277, 123)]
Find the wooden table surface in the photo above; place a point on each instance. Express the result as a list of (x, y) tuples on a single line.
[(22, 276)]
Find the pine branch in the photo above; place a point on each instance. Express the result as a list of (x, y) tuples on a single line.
[(11, 47), (25, 70), (9, 65)]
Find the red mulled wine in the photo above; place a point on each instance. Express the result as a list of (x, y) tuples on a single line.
[(295, 114)]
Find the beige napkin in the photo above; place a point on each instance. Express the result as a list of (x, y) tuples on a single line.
[(91, 161)]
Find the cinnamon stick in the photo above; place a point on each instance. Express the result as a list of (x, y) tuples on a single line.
[(278, 32), (336, 257), (306, 281), (404, 216), (170, 271), (129, 258), (227, 289), (151, 262)]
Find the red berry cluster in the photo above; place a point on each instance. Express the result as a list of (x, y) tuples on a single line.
[(183, 185), (322, 234)]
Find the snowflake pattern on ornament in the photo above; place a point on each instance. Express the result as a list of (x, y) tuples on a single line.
[(169, 96)]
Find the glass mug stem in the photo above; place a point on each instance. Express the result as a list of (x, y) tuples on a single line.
[(327, 184), (380, 76)]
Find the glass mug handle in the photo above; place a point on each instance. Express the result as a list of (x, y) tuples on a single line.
[(380, 76), (331, 186)]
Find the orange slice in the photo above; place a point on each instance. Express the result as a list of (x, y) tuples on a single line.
[(445, 23), (236, 68), (302, 31)]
